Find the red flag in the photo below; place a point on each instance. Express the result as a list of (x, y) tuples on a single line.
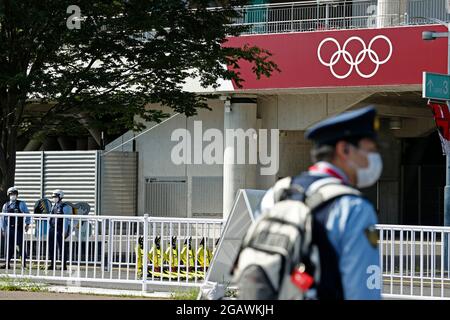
[(441, 116)]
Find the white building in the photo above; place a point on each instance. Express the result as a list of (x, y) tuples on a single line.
[(340, 56)]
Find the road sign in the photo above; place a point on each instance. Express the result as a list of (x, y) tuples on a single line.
[(436, 86)]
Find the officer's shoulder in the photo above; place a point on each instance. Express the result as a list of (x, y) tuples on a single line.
[(355, 203)]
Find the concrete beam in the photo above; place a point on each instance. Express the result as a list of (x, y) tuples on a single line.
[(406, 112), (299, 112), (343, 89)]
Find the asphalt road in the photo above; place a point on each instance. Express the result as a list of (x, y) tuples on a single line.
[(23, 295)]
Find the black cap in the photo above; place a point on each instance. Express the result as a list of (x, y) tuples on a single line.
[(361, 123)]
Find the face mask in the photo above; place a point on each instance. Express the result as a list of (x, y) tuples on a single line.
[(55, 200), (368, 176), (13, 197)]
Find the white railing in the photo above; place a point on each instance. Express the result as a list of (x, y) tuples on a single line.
[(337, 14), (415, 261), (102, 249)]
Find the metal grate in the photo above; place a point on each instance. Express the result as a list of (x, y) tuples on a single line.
[(29, 176), (73, 172), (119, 183), (166, 197), (207, 195)]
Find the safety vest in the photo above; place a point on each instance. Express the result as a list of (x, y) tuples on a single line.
[(14, 207), (154, 256), (187, 255), (171, 257), (140, 259), (204, 257), (58, 209)]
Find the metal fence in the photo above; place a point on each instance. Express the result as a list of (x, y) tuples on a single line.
[(415, 261), (102, 249), (332, 15)]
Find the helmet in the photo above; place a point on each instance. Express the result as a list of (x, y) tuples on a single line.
[(58, 193), (174, 242), (12, 190), (188, 241)]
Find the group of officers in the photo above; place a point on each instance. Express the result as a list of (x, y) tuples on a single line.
[(174, 262), (13, 228)]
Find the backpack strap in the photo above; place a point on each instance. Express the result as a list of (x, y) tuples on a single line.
[(284, 189), (317, 194), (327, 192)]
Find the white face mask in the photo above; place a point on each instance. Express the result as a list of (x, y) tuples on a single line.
[(368, 176), (13, 197), (55, 200)]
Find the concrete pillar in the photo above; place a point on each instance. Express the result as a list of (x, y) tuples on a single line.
[(295, 153), (240, 113), (391, 12), (387, 189)]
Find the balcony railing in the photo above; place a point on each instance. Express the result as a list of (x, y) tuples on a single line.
[(331, 15)]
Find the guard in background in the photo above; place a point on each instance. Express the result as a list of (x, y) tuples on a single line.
[(204, 255), (13, 228), (187, 255), (171, 256), (59, 229), (345, 151)]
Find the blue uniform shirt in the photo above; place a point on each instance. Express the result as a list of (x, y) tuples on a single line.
[(22, 207), (66, 210), (358, 260)]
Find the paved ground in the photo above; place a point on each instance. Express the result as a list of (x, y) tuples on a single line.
[(22, 295)]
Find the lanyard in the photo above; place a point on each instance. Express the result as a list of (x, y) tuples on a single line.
[(326, 169)]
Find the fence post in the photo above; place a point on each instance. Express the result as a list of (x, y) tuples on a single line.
[(109, 254), (145, 255), (42, 191), (292, 17)]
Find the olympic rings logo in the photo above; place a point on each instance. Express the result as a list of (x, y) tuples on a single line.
[(367, 51)]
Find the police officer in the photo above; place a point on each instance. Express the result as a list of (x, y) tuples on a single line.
[(59, 228), (345, 149), (12, 227)]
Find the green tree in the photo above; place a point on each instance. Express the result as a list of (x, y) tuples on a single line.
[(101, 69)]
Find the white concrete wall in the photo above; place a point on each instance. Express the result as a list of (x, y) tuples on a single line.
[(299, 112), (291, 114), (155, 149)]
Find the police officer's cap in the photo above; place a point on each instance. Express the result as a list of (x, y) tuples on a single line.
[(12, 190), (361, 123)]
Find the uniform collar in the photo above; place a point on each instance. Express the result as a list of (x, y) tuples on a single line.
[(326, 168)]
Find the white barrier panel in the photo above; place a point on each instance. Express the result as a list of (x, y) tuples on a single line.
[(241, 217)]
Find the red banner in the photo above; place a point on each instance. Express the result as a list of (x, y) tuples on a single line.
[(347, 58)]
